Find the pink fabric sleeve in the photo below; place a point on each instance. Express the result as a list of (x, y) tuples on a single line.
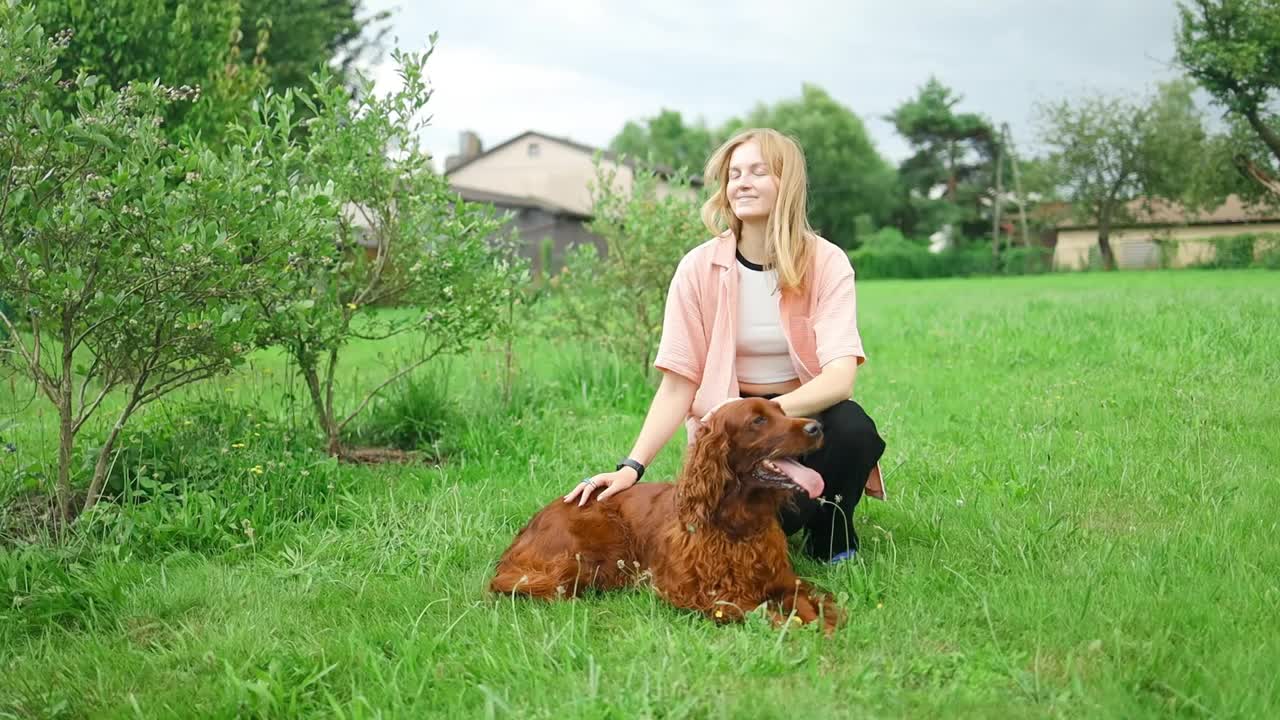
[(683, 348), (835, 318)]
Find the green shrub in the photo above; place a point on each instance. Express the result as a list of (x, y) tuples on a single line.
[(209, 476), (1026, 260), (1269, 258), (412, 417), (909, 260), (1234, 252)]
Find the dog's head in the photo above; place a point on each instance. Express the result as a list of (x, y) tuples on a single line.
[(733, 464)]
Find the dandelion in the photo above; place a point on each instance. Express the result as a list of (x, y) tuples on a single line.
[(796, 619), (256, 470), (237, 445), (880, 606), (719, 613), (351, 306), (188, 422)]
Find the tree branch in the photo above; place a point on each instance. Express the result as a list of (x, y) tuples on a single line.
[(369, 398), (1251, 170)]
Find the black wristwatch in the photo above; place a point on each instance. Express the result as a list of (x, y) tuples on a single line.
[(634, 465)]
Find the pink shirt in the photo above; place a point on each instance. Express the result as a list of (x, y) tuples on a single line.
[(701, 319), (698, 329)]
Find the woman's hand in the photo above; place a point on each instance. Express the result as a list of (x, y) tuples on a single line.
[(611, 483)]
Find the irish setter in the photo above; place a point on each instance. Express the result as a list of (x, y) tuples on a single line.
[(710, 543)]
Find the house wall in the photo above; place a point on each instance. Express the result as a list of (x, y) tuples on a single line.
[(539, 227), (557, 173), (1137, 248)]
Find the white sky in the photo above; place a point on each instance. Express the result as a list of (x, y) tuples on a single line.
[(581, 69)]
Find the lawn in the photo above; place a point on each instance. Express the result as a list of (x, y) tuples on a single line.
[(1083, 475)]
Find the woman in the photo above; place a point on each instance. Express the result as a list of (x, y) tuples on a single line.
[(766, 309)]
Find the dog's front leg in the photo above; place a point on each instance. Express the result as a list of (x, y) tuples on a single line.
[(807, 604)]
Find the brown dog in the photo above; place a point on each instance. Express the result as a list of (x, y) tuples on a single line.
[(711, 542)]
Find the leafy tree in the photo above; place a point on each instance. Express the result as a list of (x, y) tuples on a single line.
[(666, 140), (134, 261), (1232, 47), (1107, 151), (847, 176), (193, 43), (299, 37), (404, 238), (227, 48), (953, 152)]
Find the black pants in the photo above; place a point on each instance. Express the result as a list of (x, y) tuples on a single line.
[(851, 447)]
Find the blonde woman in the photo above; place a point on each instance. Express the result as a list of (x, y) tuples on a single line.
[(766, 308)]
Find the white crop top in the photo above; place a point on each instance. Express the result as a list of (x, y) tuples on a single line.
[(762, 355)]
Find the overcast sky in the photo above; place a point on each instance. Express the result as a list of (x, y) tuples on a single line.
[(582, 68)]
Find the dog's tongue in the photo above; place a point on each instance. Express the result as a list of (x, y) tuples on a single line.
[(807, 478)]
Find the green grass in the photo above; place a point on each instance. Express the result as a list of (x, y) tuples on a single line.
[(1083, 477)]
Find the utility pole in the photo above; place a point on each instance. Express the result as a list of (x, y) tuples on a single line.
[(1017, 182), (997, 199)]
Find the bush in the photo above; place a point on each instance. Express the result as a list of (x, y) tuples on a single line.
[(910, 260), (1026, 260), (209, 476), (617, 299), (413, 417), (141, 264), (1246, 250), (1269, 258), (1234, 252)]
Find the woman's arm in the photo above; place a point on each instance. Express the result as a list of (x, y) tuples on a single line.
[(669, 408), (833, 384)]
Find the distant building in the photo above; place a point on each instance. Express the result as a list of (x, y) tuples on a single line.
[(543, 183), (1163, 234)]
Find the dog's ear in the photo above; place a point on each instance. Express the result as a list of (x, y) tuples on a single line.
[(706, 475)]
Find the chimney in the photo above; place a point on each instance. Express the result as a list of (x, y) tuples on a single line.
[(468, 147)]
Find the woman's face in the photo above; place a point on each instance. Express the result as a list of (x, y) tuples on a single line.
[(751, 189)]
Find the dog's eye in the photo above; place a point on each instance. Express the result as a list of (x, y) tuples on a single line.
[(759, 420)]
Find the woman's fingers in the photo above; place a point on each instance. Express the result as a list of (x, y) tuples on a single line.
[(588, 488), (614, 488)]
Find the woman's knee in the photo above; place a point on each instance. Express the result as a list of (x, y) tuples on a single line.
[(846, 424)]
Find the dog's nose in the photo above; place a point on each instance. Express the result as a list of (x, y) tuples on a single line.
[(813, 428)]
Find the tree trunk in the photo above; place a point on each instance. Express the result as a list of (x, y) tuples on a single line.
[(1104, 242), (66, 423), (1269, 136), (324, 413), (66, 445), (1250, 170), (103, 463)]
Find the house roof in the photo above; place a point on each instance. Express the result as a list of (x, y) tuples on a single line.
[(1155, 212), (664, 171), (522, 201)]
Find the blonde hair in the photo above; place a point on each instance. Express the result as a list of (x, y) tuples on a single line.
[(788, 237)]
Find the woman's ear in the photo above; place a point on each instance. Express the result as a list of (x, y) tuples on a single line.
[(706, 475)]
